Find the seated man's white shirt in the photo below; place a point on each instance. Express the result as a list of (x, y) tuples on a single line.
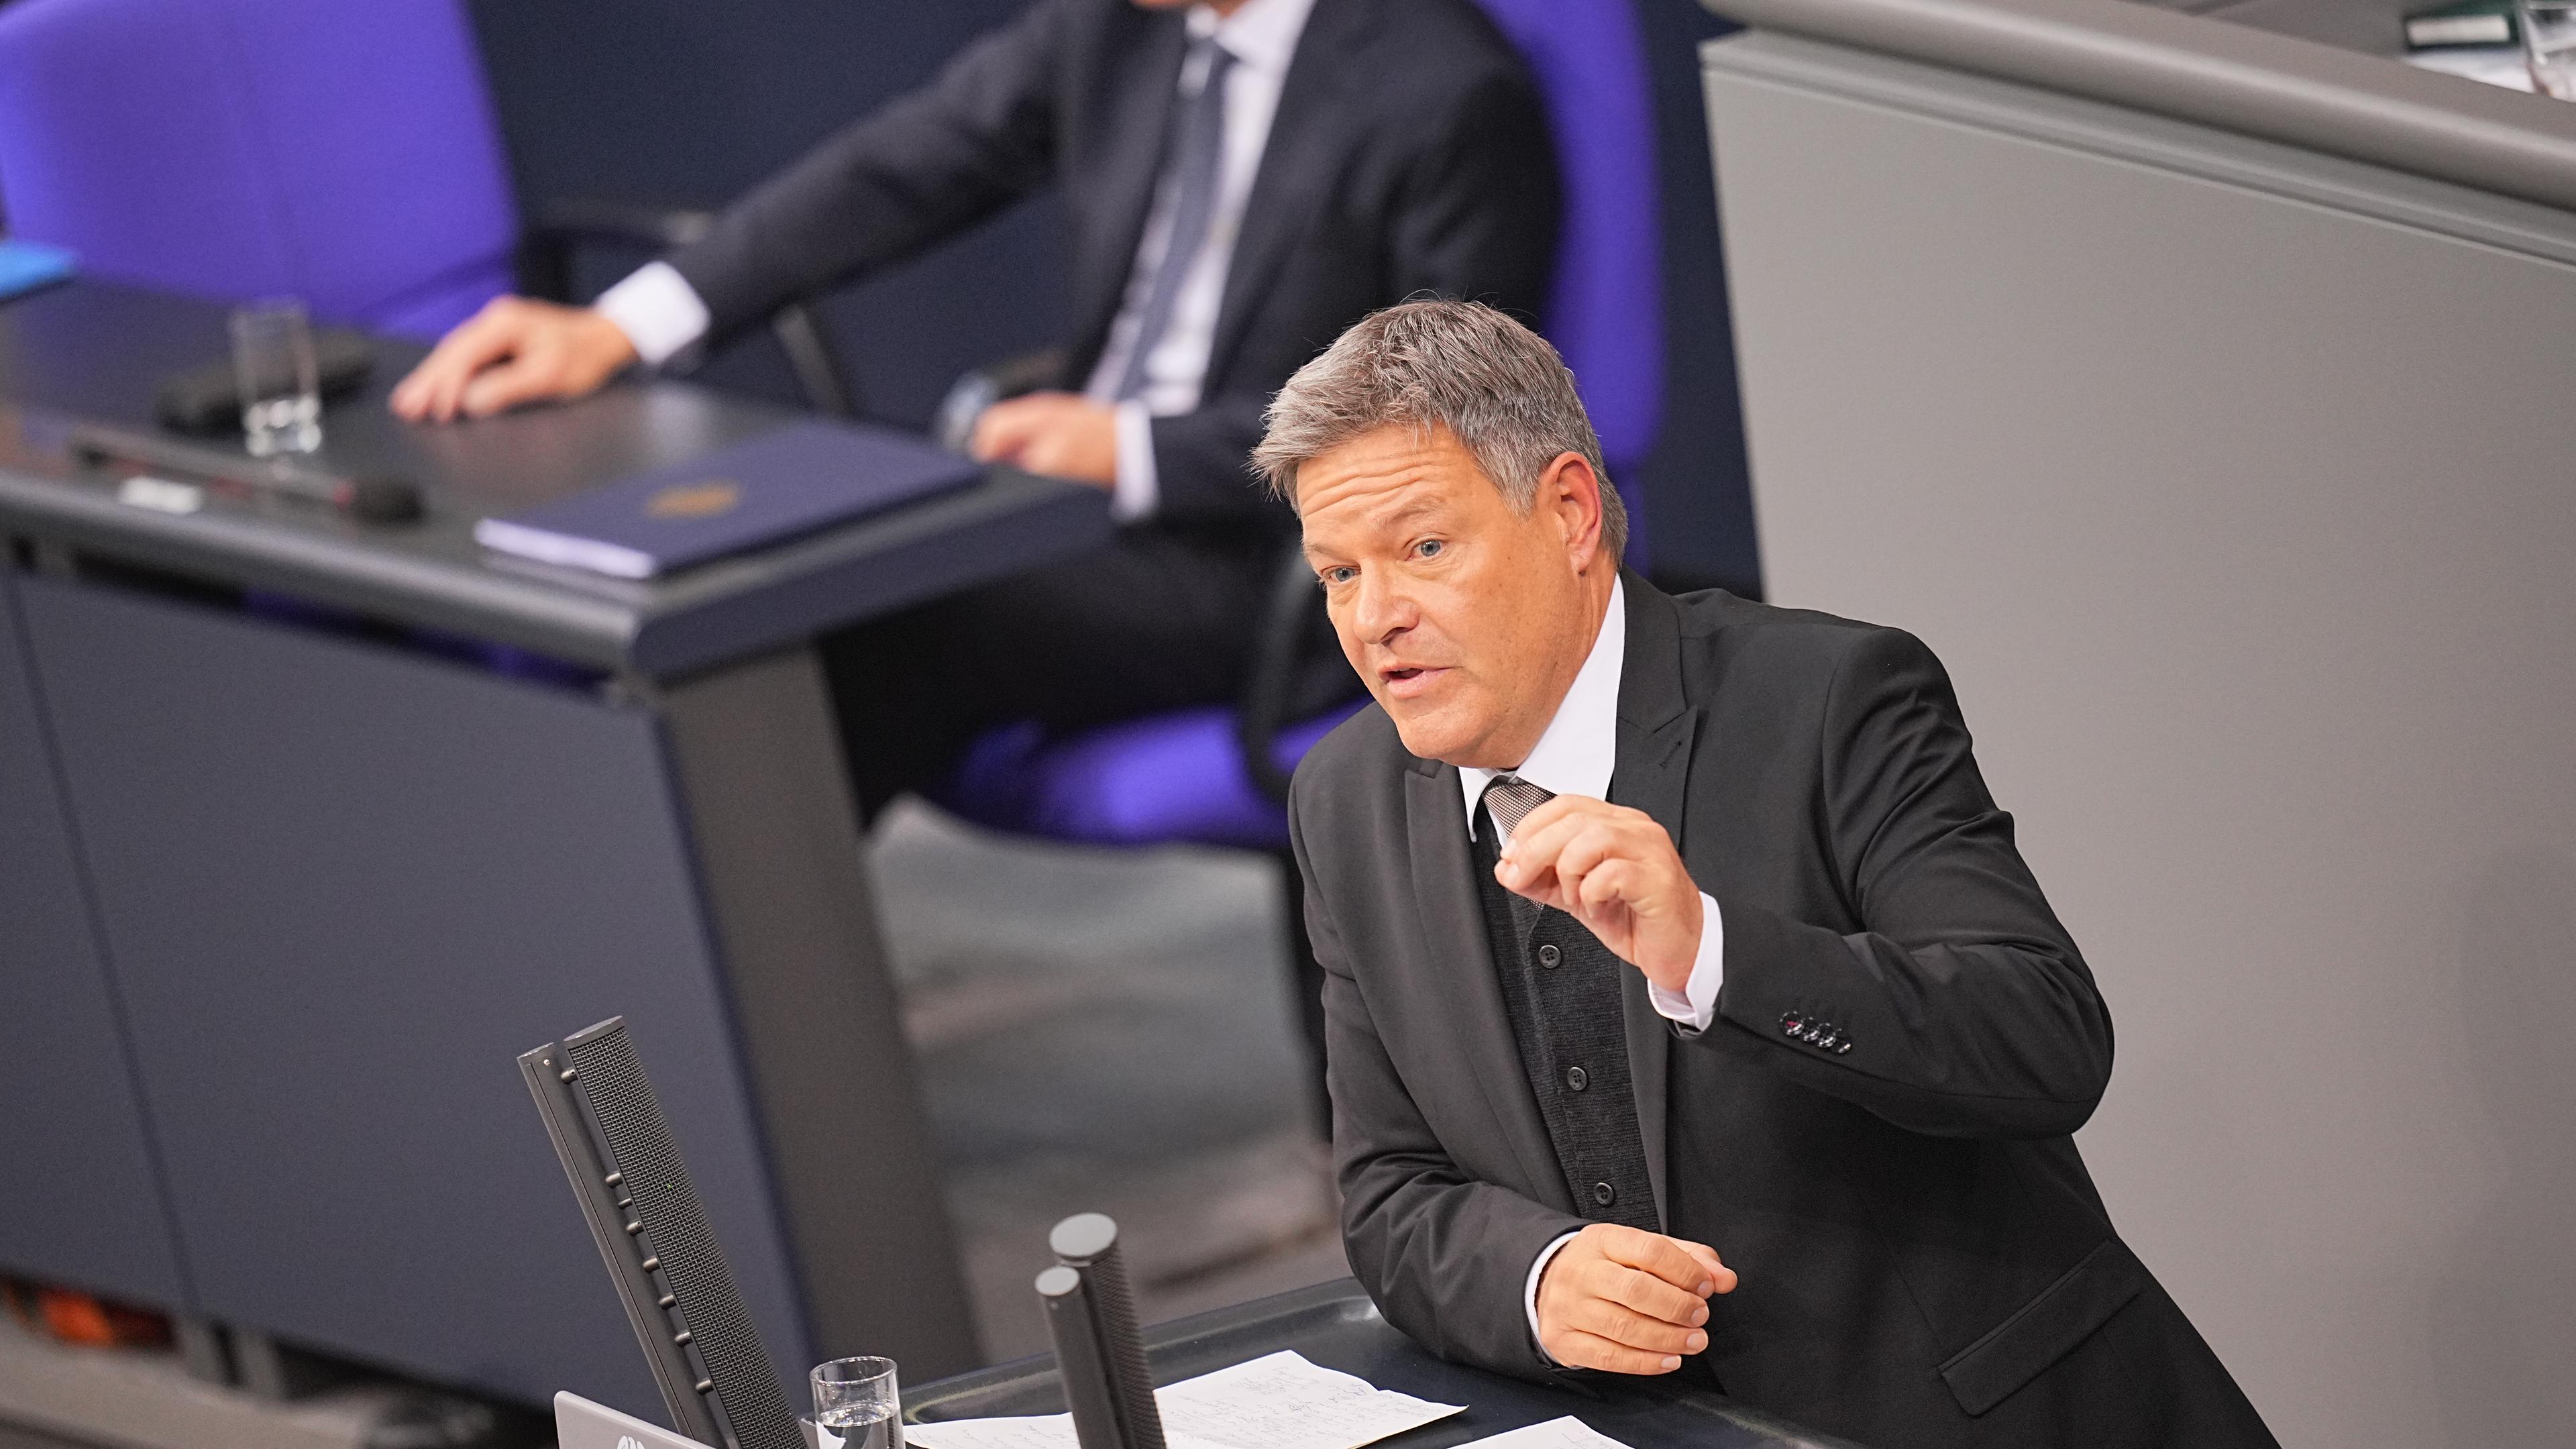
[(1575, 755), (657, 309), (661, 314)]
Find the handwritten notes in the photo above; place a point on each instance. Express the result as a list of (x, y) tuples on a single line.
[(1279, 1401)]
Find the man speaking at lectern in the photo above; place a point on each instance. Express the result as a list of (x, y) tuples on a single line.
[(1688, 1005)]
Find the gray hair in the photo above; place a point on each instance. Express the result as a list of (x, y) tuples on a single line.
[(1498, 387)]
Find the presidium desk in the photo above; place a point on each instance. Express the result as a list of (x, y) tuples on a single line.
[(290, 875)]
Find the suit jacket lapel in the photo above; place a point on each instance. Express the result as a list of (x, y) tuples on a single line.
[(1298, 164), (1458, 962), (1657, 728), (1139, 95)]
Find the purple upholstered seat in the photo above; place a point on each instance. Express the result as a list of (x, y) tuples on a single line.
[(342, 151), (1606, 310), (1180, 777), (1151, 781)]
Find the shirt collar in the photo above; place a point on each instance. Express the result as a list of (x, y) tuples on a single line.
[(1261, 33), (1579, 748)]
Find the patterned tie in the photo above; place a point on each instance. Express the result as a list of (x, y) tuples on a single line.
[(1197, 146), (1509, 799)]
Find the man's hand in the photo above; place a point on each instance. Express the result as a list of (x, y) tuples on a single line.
[(1615, 870), (513, 351), (1060, 434), (1627, 1300)]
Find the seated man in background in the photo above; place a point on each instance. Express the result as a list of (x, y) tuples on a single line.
[(1243, 178), (1687, 1002)]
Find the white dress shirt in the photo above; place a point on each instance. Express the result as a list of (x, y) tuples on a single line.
[(1575, 756), (660, 313)]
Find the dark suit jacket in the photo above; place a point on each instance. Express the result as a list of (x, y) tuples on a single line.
[(1921, 1249), (1409, 154)]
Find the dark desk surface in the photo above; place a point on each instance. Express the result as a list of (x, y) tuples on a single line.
[(1335, 1325), (98, 352)]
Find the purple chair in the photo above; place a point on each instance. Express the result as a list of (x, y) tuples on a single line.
[(1606, 310), (341, 151), (345, 153)]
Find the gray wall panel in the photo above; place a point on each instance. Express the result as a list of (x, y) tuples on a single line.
[(79, 1203), (2244, 525), (344, 888)]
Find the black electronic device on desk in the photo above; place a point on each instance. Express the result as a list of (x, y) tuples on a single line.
[(1335, 1325), (141, 458), (207, 398), (607, 1128)]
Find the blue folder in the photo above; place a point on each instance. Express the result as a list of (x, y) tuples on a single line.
[(26, 265), (792, 481)]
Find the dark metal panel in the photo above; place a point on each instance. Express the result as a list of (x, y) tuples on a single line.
[(79, 1201), (345, 887), (787, 883)]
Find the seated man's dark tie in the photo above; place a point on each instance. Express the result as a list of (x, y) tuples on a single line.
[(1194, 154)]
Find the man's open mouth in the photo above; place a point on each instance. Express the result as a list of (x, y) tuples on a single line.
[(1405, 680)]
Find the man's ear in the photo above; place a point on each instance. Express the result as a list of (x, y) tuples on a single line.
[(1571, 492)]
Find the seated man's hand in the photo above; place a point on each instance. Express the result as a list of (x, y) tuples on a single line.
[(1626, 1300), (1615, 870), (514, 351), (1060, 434)]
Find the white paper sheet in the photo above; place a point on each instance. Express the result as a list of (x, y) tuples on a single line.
[(1279, 1401), (1565, 1433), (1037, 1431)]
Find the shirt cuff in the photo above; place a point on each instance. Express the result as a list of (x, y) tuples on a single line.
[(1137, 490), (658, 311), (1694, 1006), (1529, 1291)]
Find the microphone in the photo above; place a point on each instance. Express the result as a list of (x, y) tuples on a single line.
[(1091, 1315), (367, 498)]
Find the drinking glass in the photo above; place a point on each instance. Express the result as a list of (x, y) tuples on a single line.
[(2549, 45), (856, 1401), (274, 370)]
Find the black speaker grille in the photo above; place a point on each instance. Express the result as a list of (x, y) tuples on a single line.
[(611, 1081), (1124, 1346)]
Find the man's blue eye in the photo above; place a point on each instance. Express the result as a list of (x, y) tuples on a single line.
[(1428, 547)]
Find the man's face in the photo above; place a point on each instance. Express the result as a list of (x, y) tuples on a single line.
[(1466, 620)]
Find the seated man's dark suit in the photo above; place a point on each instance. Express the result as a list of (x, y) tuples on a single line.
[(1874, 1131), (1409, 154)]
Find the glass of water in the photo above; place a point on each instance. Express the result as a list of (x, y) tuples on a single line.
[(857, 1405), (273, 368), (2549, 45)]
